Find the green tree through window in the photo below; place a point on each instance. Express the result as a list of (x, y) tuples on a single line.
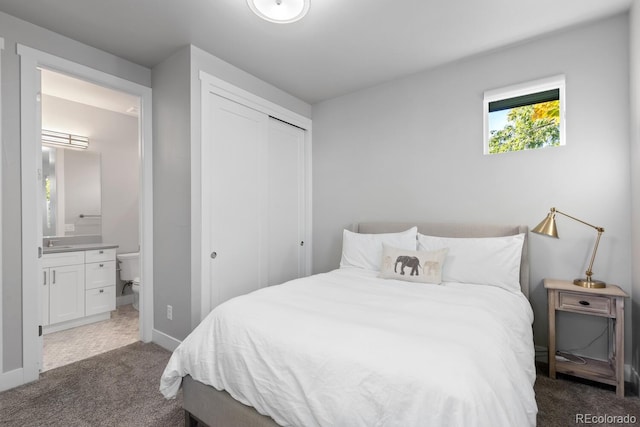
[(528, 127)]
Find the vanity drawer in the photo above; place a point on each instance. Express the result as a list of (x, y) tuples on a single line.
[(98, 255), (62, 258), (100, 300), (591, 304), (100, 274)]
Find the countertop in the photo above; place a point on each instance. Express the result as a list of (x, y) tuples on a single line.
[(77, 247)]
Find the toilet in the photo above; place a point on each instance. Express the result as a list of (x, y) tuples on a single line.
[(130, 272)]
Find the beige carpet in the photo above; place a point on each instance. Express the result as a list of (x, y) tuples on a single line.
[(117, 388), (568, 401), (72, 345)]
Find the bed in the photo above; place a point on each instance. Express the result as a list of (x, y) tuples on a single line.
[(348, 348)]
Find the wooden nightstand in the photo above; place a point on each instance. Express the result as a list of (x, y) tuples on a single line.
[(606, 302)]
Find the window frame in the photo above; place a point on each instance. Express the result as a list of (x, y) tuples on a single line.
[(550, 83)]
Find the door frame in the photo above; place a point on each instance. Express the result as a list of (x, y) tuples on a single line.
[(30, 60), (200, 206), (1, 223)]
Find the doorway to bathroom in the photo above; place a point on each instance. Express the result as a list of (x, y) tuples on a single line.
[(89, 194), (119, 219)]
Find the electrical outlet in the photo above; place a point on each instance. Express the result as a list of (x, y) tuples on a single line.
[(169, 312)]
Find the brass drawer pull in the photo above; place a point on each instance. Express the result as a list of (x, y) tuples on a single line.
[(584, 302)]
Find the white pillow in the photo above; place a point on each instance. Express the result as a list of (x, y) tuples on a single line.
[(483, 260), (365, 250), (412, 266)]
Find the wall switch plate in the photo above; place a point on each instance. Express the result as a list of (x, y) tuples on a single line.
[(169, 312)]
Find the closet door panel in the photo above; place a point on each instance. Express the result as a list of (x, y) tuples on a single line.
[(285, 169), (238, 195)]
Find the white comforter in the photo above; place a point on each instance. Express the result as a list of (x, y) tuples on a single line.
[(346, 348)]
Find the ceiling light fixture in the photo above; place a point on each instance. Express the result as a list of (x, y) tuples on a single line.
[(280, 11)]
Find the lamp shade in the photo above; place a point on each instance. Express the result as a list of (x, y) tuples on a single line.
[(547, 226), (280, 11)]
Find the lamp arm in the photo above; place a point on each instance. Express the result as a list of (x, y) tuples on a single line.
[(589, 273), (600, 229)]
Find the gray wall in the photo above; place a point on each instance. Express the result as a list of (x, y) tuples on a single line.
[(176, 100), (412, 149), (115, 137), (635, 185), (171, 225), (16, 31)]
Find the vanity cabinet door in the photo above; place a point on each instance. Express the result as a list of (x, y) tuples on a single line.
[(66, 293)]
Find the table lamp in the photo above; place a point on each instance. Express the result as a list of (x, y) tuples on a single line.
[(548, 228)]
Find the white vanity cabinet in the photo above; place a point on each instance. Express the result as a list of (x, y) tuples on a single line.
[(79, 287), (63, 285), (100, 285)]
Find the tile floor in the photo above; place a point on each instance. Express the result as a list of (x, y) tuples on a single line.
[(71, 345)]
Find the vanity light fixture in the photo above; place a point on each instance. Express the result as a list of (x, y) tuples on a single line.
[(280, 11), (66, 140)]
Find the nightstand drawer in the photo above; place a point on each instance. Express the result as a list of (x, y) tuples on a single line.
[(584, 303)]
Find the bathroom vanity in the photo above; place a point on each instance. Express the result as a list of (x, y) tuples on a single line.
[(78, 285)]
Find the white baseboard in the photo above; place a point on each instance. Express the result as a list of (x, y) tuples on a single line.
[(165, 341), (56, 327), (11, 379), (541, 354), (635, 379), (124, 300)]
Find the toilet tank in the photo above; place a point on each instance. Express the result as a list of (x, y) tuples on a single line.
[(129, 265)]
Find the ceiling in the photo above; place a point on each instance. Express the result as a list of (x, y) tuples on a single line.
[(72, 89), (339, 47)]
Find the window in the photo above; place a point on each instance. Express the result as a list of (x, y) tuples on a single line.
[(525, 116)]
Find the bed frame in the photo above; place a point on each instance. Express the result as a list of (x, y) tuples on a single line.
[(204, 405)]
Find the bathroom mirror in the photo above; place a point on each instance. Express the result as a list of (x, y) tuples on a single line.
[(72, 192)]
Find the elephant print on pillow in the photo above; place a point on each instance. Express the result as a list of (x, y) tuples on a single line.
[(407, 261)]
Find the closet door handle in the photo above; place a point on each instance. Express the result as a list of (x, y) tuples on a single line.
[(44, 282), (101, 265), (53, 282), (214, 255)]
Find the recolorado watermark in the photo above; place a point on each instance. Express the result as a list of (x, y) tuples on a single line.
[(605, 419)]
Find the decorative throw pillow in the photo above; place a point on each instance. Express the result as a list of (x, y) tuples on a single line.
[(412, 266), (482, 260), (365, 250)]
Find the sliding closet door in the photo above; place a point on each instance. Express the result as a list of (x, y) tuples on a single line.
[(253, 199), (285, 202), (237, 159)]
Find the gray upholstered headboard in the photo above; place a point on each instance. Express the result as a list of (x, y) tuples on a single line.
[(457, 230)]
